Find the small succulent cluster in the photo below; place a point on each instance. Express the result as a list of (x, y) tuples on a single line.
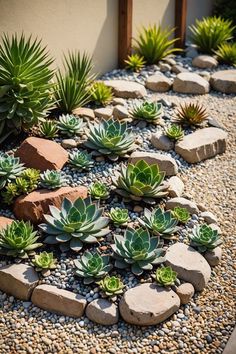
[(100, 94), (52, 179), (175, 132), (44, 261), (81, 160), (135, 62), (148, 111), (10, 168), (165, 276), (181, 214), (70, 125), (111, 286), (48, 129), (99, 190), (204, 238), (119, 216), (191, 114)]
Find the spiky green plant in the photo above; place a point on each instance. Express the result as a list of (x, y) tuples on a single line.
[(99, 190), (111, 286), (70, 125), (153, 43), (191, 114), (175, 132), (148, 111), (204, 238), (80, 66), (81, 160), (165, 276), (181, 214), (10, 193), (32, 176), (226, 53), (48, 129), (110, 137), (18, 239), (10, 168), (159, 222), (101, 94), (138, 250), (119, 216), (92, 266), (210, 32), (25, 91), (140, 181), (44, 260), (75, 223), (51, 179), (135, 62)]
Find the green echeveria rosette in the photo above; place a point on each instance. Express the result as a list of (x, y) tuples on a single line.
[(70, 125), (175, 132), (119, 216), (99, 190), (48, 129), (44, 261), (181, 214), (51, 179), (111, 286), (10, 168), (148, 111), (165, 276), (81, 160), (204, 238)]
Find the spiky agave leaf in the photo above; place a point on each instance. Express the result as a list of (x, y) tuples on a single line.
[(80, 66), (226, 53), (135, 62), (148, 111), (204, 238), (191, 114), (10, 168), (100, 93)]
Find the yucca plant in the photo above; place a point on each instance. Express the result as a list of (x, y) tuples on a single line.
[(110, 137), (159, 222), (25, 88), (148, 111), (51, 179), (204, 238), (191, 114), (210, 32), (92, 266), (75, 223), (140, 181), (18, 239), (100, 93), (119, 216), (138, 250), (79, 66), (48, 129), (70, 125), (44, 261), (174, 132), (154, 43), (226, 53), (81, 160), (135, 62), (181, 214), (111, 286), (10, 168), (165, 276), (99, 190)]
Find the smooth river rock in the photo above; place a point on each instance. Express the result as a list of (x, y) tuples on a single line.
[(224, 81), (103, 312), (126, 89), (190, 83)]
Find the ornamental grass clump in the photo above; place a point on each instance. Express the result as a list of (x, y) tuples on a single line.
[(174, 132), (10, 168), (81, 160), (48, 129), (151, 112), (226, 53), (70, 125), (165, 276), (75, 223), (119, 216), (99, 190), (191, 114), (181, 214), (44, 261), (135, 62), (18, 239), (204, 238), (138, 250), (51, 179), (92, 266), (111, 286), (100, 94)]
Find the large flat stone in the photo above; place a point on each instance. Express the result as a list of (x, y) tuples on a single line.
[(190, 265), (224, 81), (147, 304), (182, 203), (103, 312), (4, 222), (158, 83), (84, 112), (126, 89), (18, 280), (63, 302), (202, 144), (204, 62), (190, 83)]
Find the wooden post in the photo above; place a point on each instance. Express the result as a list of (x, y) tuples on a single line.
[(125, 30), (180, 22)]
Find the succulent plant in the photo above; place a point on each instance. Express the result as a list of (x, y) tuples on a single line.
[(111, 286), (175, 132), (10, 193), (181, 214), (99, 190), (135, 62), (204, 238), (92, 266), (119, 216), (138, 250), (74, 224), (148, 111), (165, 276), (32, 176), (18, 239), (101, 94), (191, 114), (140, 181), (110, 137), (44, 260), (70, 125), (48, 129), (10, 168), (226, 53), (81, 160), (52, 179), (159, 222)]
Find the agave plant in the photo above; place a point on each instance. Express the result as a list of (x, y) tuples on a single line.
[(181, 214), (159, 222), (92, 266), (111, 286), (79, 66), (25, 94), (204, 238), (165, 276), (18, 239), (110, 137), (226, 53), (148, 111), (153, 43), (191, 114), (70, 125), (211, 32), (175, 132), (119, 216), (99, 190), (74, 224), (81, 160), (140, 181), (51, 179), (10, 168), (135, 62), (44, 260), (48, 129), (138, 250), (101, 94)]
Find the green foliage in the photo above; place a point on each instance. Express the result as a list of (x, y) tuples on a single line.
[(204, 238), (92, 266), (74, 224), (153, 43), (25, 91), (18, 239), (191, 114), (148, 111), (101, 94), (226, 53), (111, 286), (52, 179), (227, 10), (137, 249), (175, 132), (210, 32), (181, 214), (99, 190), (48, 129), (110, 137), (81, 160), (140, 181), (119, 216), (135, 62), (165, 276), (79, 66), (70, 125), (10, 168), (44, 260), (159, 222)]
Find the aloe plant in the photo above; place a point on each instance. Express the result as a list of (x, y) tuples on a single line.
[(48, 129), (99, 190), (81, 160), (148, 111), (51, 179), (10, 168), (175, 132), (204, 238), (111, 286), (119, 216), (181, 214), (165, 276), (70, 125), (100, 93), (75, 223), (44, 261), (135, 62)]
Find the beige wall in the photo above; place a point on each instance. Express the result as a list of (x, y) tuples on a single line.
[(90, 25), (196, 9)]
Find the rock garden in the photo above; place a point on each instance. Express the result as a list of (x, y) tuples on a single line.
[(117, 194)]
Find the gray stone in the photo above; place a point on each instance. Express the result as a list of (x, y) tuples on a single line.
[(183, 203), (118, 101), (214, 256), (103, 312), (169, 61), (120, 112), (224, 81), (68, 143), (126, 89), (177, 69), (158, 82), (162, 142), (190, 83), (176, 187), (191, 51), (164, 67), (185, 292), (209, 217), (105, 113), (204, 62)]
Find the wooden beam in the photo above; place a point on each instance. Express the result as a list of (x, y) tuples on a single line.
[(125, 30), (180, 22)]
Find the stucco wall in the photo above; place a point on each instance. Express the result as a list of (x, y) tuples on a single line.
[(197, 9)]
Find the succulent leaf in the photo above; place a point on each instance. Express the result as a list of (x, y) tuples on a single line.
[(119, 216), (10, 168), (48, 129), (181, 214), (70, 125), (148, 111), (52, 179), (44, 260), (204, 238), (175, 132), (99, 190), (81, 160), (165, 276), (100, 93), (111, 285), (135, 62)]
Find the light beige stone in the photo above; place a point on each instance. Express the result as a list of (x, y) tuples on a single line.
[(4, 222), (104, 113), (162, 142), (177, 69), (182, 203), (224, 81), (204, 62), (68, 143), (103, 312), (190, 83), (84, 112), (118, 101), (214, 256), (185, 292), (158, 83), (126, 89), (176, 187), (120, 112), (209, 217)]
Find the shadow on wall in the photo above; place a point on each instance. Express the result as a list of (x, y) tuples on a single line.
[(197, 10)]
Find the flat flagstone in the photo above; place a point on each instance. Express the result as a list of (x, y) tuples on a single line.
[(224, 81), (190, 83), (126, 89)]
